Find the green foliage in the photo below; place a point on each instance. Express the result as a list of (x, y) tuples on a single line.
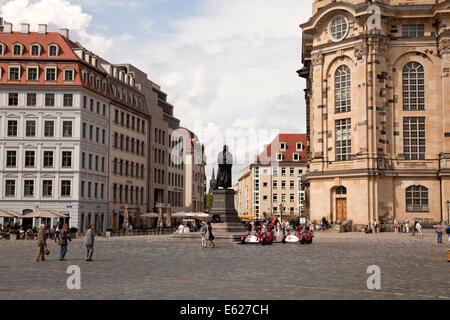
[(209, 202), (14, 231)]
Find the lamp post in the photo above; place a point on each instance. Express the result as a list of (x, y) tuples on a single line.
[(281, 212), (448, 211)]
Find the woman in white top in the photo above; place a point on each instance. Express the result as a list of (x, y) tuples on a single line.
[(181, 229), (419, 228)]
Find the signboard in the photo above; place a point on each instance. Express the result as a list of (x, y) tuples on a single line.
[(302, 220)]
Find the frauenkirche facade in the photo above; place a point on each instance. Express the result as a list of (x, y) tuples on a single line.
[(377, 124)]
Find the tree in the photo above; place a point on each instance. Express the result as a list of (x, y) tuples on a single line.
[(209, 202)]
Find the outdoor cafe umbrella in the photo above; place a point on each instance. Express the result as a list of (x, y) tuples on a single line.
[(42, 214), (5, 214), (180, 214), (150, 215)]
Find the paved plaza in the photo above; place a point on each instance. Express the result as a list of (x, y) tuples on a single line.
[(153, 267)]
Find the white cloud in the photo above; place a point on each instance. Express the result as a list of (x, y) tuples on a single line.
[(57, 14)]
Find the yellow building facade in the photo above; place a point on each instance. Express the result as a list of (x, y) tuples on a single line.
[(377, 123)]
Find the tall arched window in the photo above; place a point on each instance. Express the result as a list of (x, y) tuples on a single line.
[(413, 86), (417, 199), (342, 86)]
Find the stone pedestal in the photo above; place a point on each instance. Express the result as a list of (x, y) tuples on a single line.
[(229, 225)]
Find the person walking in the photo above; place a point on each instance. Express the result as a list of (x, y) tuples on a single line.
[(57, 231), (439, 232), (375, 226), (419, 228), (407, 225), (210, 237), (41, 244), (415, 227), (89, 242), (204, 230), (64, 238), (396, 226)]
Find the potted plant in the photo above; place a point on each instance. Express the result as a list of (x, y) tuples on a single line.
[(73, 232), (13, 234), (108, 232)]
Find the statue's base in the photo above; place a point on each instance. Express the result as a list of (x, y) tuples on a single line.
[(229, 225)]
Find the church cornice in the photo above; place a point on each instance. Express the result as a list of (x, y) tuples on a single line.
[(360, 10)]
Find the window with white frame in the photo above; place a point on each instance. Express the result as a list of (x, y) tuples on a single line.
[(338, 28), (35, 50), (68, 75), (283, 172), (14, 73), (32, 73), (414, 138), (13, 99), (28, 188), (47, 188), (275, 198), (65, 188), (10, 188), (53, 50), (417, 199), (31, 99), (283, 146), (295, 157), (17, 49), (343, 139), (342, 85), (413, 86), (50, 74), (299, 146)]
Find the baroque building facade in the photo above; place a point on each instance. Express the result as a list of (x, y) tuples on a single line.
[(377, 123)]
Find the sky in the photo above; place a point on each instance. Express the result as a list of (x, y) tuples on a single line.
[(228, 66)]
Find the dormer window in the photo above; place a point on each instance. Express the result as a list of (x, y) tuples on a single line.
[(283, 146), (53, 50), (279, 157), (68, 75), (299, 146), (35, 50), (295, 157), (17, 50)]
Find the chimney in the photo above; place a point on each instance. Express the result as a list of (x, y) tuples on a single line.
[(64, 33), (8, 28), (25, 28), (42, 29)]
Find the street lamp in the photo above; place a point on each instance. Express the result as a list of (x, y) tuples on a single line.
[(281, 212), (448, 211)]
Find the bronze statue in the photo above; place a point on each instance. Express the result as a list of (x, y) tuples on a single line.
[(225, 162)]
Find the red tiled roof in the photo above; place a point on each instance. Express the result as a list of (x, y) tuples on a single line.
[(270, 153), (65, 45)]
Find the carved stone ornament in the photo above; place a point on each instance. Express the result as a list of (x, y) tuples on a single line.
[(317, 59), (444, 49), (361, 51)]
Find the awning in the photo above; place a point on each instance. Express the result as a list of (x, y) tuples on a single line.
[(49, 214), (5, 214), (150, 215)]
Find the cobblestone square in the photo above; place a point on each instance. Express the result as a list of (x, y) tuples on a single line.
[(153, 267)]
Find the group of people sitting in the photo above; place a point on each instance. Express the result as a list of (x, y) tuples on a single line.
[(185, 228)]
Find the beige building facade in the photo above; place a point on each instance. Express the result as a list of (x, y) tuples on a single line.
[(377, 124), (194, 172), (272, 185)]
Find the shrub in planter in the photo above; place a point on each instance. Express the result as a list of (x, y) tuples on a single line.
[(73, 232), (13, 234)]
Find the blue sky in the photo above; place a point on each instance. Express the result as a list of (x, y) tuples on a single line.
[(225, 64)]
